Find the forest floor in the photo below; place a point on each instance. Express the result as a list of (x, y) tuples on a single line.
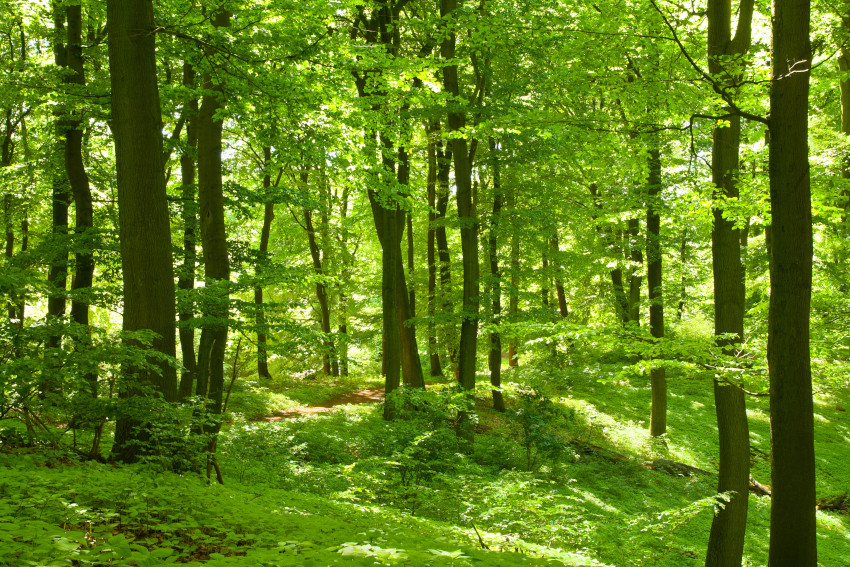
[(313, 475), (369, 395)]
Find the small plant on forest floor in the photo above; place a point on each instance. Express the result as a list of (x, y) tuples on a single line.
[(540, 420)]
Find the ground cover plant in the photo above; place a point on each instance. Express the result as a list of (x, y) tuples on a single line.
[(551, 280)]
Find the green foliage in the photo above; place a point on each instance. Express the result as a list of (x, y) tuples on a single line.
[(538, 417)]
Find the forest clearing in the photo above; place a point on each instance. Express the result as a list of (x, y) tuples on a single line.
[(425, 282)]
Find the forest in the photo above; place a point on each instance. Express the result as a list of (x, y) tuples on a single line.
[(425, 282)]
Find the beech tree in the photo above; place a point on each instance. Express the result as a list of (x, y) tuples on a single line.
[(793, 539), (145, 233)]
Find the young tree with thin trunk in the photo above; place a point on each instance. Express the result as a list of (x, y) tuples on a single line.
[(189, 216), (494, 358), (265, 235), (657, 376), (431, 187), (143, 225)]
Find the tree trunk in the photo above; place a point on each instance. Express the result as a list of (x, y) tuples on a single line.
[(657, 376), (189, 214), (634, 271), (844, 89), (144, 229), (79, 181), (793, 538), (467, 217), (563, 309), (213, 344), (321, 289), (57, 275), (449, 330), (495, 358), (545, 277), (728, 529), (410, 265), (513, 301), (411, 365), (347, 264), (265, 234), (431, 184)]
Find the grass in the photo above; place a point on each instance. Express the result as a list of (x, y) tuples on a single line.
[(616, 512), (560, 478)]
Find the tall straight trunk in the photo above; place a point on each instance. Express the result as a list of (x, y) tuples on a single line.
[(210, 377), (410, 264), (657, 376), (389, 226), (494, 359), (683, 282), (449, 330), (411, 365), (321, 288), (189, 216), (793, 538), (75, 169), (143, 225), (57, 275), (844, 89), (467, 216), (431, 185), (265, 234), (560, 293), (513, 301), (728, 529), (399, 339), (635, 270), (327, 260), (347, 262), (545, 277)]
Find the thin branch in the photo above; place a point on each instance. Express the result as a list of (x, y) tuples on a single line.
[(718, 88)]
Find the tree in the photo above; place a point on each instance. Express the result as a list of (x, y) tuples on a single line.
[(657, 376), (792, 515), (213, 343), (145, 234), (467, 217), (725, 53)]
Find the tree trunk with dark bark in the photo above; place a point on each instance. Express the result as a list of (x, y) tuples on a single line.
[(189, 216), (265, 234), (321, 288), (431, 185), (78, 179), (657, 376), (494, 359), (467, 216), (213, 343), (144, 229), (728, 529), (793, 539)]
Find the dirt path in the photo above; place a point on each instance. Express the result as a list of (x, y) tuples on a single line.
[(361, 397)]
